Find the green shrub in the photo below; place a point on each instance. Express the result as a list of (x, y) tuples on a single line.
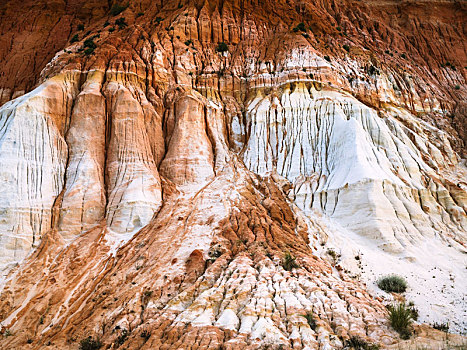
[(310, 319), (89, 46), (404, 56), (112, 29), (158, 20), (145, 334), (90, 343), (118, 9), (457, 87), (222, 47), (288, 262), (346, 48), (121, 23), (327, 58), (88, 51), (334, 255), (139, 14), (80, 27), (90, 43), (392, 283), (358, 343), (301, 27), (74, 39), (188, 42), (414, 310), (400, 317), (122, 337), (441, 326)]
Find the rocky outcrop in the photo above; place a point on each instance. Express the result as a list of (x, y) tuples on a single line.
[(371, 173), (159, 190)]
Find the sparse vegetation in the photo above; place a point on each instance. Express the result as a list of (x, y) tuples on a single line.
[(145, 334), (300, 27), (139, 14), (118, 9), (158, 20), (122, 337), (400, 317), (90, 343), (89, 46), (74, 39), (310, 319), (448, 65), (121, 23), (392, 283), (222, 47), (288, 262), (90, 43), (80, 27), (358, 343), (334, 255), (441, 326), (414, 310)]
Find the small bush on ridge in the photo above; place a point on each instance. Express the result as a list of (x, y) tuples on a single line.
[(400, 317), (310, 319), (90, 343), (441, 326), (392, 283), (358, 343), (288, 262), (222, 47)]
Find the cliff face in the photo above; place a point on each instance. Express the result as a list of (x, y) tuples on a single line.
[(171, 155)]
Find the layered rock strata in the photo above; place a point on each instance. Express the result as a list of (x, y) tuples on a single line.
[(153, 187)]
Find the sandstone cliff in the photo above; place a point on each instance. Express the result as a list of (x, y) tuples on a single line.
[(160, 160)]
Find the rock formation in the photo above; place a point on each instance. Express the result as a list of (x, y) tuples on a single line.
[(230, 174)]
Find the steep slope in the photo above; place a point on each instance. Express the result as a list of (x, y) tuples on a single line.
[(173, 156)]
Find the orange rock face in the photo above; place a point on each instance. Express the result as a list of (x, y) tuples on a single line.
[(230, 174)]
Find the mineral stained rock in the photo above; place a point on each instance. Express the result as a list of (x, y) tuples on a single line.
[(230, 174)]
